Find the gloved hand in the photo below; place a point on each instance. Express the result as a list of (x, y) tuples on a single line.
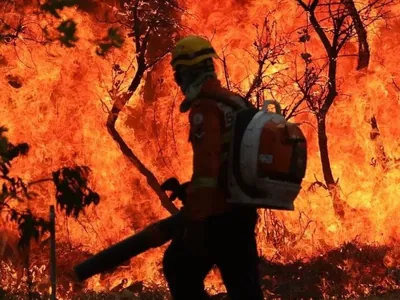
[(178, 190)]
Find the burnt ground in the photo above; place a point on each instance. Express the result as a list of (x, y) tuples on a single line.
[(353, 271)]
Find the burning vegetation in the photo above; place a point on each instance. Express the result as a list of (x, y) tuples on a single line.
[(88, 83)]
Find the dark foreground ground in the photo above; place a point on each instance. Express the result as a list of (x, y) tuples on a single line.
[(352, 271)]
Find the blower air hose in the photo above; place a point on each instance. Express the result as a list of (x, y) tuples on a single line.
[(152, 236)]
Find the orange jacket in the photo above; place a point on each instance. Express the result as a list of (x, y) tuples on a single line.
[(210, 122)]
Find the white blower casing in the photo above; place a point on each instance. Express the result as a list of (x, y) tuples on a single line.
[(272, 194)]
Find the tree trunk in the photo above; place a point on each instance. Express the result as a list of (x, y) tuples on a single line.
[(338, 203), (323, 148)]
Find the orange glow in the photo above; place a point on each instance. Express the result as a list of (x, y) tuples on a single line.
[(61, 110)]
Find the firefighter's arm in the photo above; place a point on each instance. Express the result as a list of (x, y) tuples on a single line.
[(205, 136)]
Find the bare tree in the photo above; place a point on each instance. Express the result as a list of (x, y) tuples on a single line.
[(269, 47), (147, 21), (335, 23), (18, 25), (20, 30), (25, 24)]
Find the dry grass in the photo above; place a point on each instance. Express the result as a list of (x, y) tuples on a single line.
[(163, 295), (389, 296), (367, 277)]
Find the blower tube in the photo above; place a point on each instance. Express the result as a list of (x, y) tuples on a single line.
[(152, 236)]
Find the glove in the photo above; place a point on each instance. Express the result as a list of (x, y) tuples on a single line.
[(178, 190)]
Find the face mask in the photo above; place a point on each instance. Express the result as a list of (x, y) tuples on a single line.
[(184, 78)]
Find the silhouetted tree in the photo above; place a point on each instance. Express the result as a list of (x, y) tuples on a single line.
[(268, 49), (146, 20), (20, 24), (71, 191), (335, 23)]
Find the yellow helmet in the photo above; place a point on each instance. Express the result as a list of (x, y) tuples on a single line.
[(191, 50)]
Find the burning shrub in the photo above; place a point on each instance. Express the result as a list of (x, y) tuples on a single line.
[(72, 191)]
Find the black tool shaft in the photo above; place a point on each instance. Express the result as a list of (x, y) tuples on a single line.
[(152, 236)]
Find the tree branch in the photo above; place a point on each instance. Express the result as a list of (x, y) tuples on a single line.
[(142, 31), (363, 47), (151, 179), (314, 22), (294, 111), (396, 85), (117, 107)]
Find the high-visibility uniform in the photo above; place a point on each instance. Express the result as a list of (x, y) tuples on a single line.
[(210, 129)]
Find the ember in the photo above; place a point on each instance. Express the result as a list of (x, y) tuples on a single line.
[(63, 69)]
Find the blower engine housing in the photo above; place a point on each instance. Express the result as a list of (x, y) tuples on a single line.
[(267, 159)]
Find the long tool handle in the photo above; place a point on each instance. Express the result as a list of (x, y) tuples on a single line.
[(152, 236)]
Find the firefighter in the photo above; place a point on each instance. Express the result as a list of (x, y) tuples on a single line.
[(215, 233)]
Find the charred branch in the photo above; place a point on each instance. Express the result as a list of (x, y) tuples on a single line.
[(382, 159), (343, 23), (145, 21), (317, 184), (226, 71), (277, 232), (298, 101), (374, 129), (160, 148), (317, 91), (269, 47), (363, 47), (397, 87), (312, 87), (313, 19), (152, 181), (16, 25), (281, 236), (323, 148)]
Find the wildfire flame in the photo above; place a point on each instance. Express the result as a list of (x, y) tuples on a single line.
[(56, 99)]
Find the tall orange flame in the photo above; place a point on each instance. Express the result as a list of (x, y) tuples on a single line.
[(61, 109)]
